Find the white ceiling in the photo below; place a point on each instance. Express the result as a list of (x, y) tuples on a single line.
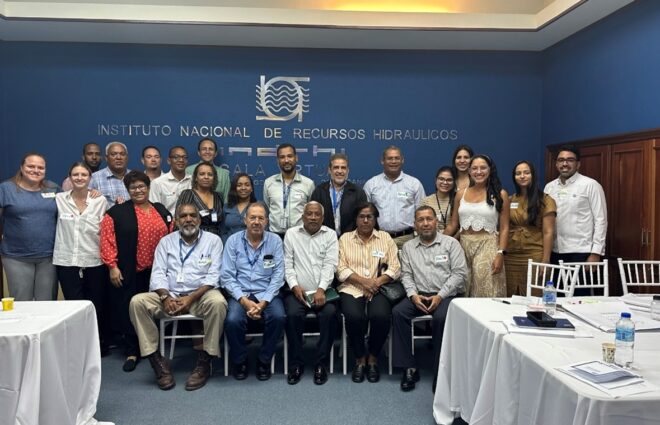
[(359, 24)]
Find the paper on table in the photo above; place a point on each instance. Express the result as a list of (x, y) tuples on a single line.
[(605, 315), (579, 332), (616, 389)]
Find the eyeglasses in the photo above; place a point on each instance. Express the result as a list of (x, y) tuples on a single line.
[(139, 188), (179, 157), (566, 160), (444, 180), (367, 217)]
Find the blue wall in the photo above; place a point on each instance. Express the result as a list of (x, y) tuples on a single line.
[(59, 93), (606, 79)]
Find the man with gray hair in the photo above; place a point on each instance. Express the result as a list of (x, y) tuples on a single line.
[(184, 279), (311, 254), (110, 180)]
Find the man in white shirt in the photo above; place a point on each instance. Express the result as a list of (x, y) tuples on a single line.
[(396, 195), (286, 193), (581, 211), (184, 279), (167, 188), (311, 255)]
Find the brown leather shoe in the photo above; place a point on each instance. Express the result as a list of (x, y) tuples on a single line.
[(162, 369), (200, 373)]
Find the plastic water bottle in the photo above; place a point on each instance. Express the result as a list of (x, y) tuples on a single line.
[(550, 298), (624, 341)]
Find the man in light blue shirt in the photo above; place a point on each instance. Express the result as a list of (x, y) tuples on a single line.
[(184, 279), (396, 195), (253, 273), (110, 180)]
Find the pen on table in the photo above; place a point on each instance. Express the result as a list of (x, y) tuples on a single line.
[(502, 301)]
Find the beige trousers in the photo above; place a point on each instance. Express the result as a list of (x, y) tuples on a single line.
[(145, 308)]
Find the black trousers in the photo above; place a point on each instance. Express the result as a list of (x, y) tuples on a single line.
[(573, 257), (360, 313), (295, 326), (120, 299), (402, 315), (89, 283)]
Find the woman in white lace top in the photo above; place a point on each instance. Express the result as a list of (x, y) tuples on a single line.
[(481, 217)]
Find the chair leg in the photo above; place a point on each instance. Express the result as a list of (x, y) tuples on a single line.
[(286, 355), (175, 327), (389, 349), (343, 342), (163, 325), (226, 354), (412, 336), (332, 357)]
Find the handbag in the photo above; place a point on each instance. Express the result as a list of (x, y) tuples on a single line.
[(393, 291)]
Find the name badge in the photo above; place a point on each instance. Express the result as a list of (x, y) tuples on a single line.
[(66, 216), (269, 263), (514, 205), (179, 277), (169, 218), (377, 254), (48, 195), (402, 194), (562, 194), (214, 217), (298, 196), (204, 213), (366, 272), (439, 259), (204, 261)]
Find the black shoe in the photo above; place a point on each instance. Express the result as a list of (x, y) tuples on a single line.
[(263, 371), (410, 376), (373, 374), (320, 375), (240, 371), (105, 350), (294, 375), (358, 373), (130, 363)]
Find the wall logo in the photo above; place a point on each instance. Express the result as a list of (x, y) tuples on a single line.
[(282, 98)]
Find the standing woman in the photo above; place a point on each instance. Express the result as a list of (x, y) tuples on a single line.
[(241, 194), (130, 233), (29, 218), (443, 198), (204, 197), (461, 165), (80, 270), (532, 229), (481, 214)]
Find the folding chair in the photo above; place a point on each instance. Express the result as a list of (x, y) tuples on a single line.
[(344, 344), (174, 320), (563, 277), (426, 318), (592, 276), (308, 317), (639, 273)]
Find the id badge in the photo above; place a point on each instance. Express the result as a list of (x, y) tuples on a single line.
[(439, 259), (48, 195), (377, 254), (214, 217), (269, 263), (203, 213), (179, 277), (514, 205)]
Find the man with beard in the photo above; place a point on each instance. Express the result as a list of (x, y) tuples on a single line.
[(311, 254), (339, 196), (433, 272), (110, 180), (253, 273), (286, 194), (92, 157), (184, 279)]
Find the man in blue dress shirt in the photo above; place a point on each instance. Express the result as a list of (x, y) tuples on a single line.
[(252, 274)]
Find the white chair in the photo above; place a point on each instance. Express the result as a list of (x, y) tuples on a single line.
[(174, 320), (344, 345), (563, 277), (639, 273), (592, 275), (253, 335), (424, 318), (309, 316)]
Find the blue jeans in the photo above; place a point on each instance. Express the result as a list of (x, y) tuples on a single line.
[(236, 323)]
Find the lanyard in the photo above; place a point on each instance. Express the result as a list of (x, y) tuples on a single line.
[(286, 190), (336, 203), (181, 257), (444, 216), (256, 254)]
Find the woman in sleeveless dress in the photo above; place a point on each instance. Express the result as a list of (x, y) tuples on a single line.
[(481, 217)]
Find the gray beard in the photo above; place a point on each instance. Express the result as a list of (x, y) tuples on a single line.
[(189, 231)]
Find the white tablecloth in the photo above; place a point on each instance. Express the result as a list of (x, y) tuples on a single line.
[(491, 377), (50, 364)]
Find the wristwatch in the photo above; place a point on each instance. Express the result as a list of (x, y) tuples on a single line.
[(502, 251), (163, 297)]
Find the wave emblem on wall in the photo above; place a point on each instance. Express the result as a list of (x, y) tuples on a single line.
[(282, 98)]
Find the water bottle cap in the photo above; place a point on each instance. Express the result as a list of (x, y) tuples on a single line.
[(656, 298), (549, 283), (625, 315)]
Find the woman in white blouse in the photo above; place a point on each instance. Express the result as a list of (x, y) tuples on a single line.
[(81, 272)]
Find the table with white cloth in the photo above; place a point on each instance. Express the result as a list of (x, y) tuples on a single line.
[(489, 376), (50, 363)]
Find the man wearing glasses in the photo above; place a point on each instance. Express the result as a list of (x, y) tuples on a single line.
[(581, 211), (167, 188), (110, 180)]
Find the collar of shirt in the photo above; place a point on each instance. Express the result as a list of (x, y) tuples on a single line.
[(437, 240), (374, 234), (302, 229), (569, 180), (107, 174), (399, 177), (296, 177), (263, 240)]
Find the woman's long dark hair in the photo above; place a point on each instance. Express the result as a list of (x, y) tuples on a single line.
[(232, 195), (534, 195), (456, 151), (493, 185)]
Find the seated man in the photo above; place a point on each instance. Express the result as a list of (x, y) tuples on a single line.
[(253, 273), (311, 255), (433, 271), (184, 279)]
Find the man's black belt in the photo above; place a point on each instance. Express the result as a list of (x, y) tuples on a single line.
[(405, 232)]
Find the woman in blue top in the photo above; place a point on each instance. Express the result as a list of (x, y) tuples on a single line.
[(28, 220), (241, 194)]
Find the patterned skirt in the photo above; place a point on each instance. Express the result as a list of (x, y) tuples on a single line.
[(480, 252)]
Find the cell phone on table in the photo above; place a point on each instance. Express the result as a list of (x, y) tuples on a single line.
[(542, 319)]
